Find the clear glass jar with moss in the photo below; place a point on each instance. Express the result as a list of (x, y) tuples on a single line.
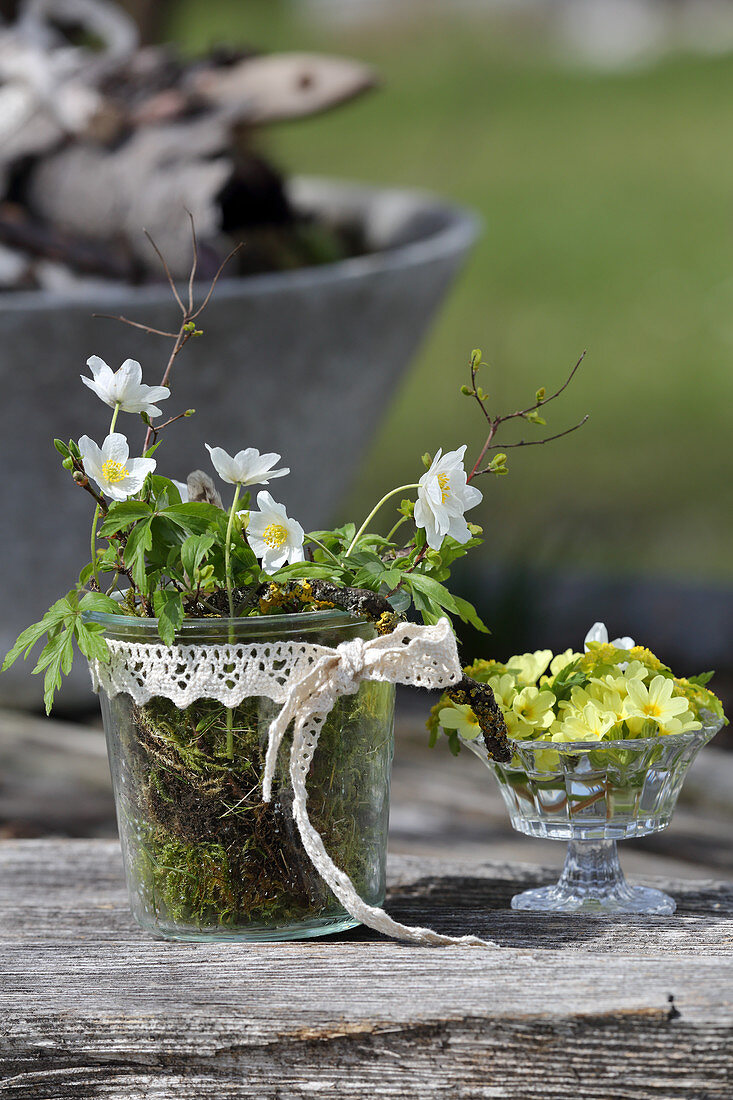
[(205, 858)]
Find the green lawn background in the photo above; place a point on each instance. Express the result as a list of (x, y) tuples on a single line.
[(608, 207)]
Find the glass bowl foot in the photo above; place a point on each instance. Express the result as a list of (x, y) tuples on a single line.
[(592, 883)]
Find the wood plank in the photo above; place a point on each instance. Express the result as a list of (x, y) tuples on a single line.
[(93, 1008)]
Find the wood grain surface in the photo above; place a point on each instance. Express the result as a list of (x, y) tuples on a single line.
[(565, 1006)]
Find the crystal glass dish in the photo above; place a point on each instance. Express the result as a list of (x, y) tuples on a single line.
[(593, 794)]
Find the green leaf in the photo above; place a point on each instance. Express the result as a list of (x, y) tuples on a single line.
[(434, 590), (97, 601), (468, 614), (193, 552), (139, 540), (90, 640), (566, 679), (430, 612), (701, 679), (56, 658), (195, 517), (391, 578), (85, 574), (168, 605), (123, 513), (32, 634)]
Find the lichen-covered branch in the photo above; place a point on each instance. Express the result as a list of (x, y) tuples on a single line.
[(480, 698)]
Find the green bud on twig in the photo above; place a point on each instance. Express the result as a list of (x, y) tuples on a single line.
[(146, 420), (476, 358), (61, 447), (407, 508), (498, 464), (190, 326), (467, 391), (481, 394), (189, 412), (68, 463), (427, 461), (540, 395), (535, 418)]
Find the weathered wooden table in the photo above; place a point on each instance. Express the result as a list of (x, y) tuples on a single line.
[(606, 1009)]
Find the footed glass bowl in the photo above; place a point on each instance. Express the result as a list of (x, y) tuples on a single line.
[(593, 794)]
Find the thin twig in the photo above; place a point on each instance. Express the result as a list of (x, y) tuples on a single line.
[(181, 340), (533, 442), (162, 259), (215, 280), (159, 427), (135, 324), (482, 406), (194, 264), (83, 483), (547, 400), (495, 422)]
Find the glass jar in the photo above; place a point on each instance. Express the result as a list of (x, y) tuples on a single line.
[(593, 794), (205, 858)]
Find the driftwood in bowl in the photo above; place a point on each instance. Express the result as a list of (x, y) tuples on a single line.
[(95, 144)]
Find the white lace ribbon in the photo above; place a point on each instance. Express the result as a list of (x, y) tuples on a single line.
[(307, 679)]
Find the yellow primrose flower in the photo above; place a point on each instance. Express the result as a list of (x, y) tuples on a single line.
[(557, 664), (528, 667), (620, 683), (589, 724), (535, 707), (518, 729), (654, 702), (684, 724), (461, 718), (601, 696), (504, 688)]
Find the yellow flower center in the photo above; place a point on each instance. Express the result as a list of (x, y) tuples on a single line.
[(114, 471), (444, 482), (652, 709), (275, 535)]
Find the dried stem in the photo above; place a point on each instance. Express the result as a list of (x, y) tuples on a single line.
[(194, 262), (215, 280), (135, 324), (169, 277), (189, 313)]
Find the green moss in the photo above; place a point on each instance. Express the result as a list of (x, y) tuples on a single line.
[(208, 852)]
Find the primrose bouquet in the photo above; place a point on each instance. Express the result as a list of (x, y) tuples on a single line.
[(235, 653), (613, 691), (601, 741)]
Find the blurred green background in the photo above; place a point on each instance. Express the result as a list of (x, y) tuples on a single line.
[(608, 200)]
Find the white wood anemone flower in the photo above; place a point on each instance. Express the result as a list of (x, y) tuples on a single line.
[(599, 633), (124, 387), (276, 539), (117, 475), (443, 495), (247, 467)]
